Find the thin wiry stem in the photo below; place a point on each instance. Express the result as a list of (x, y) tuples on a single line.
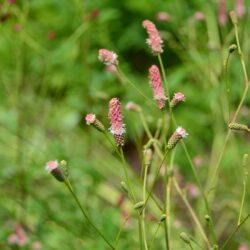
[(68, 185)]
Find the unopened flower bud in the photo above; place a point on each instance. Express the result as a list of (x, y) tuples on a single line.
[(176, 137), (148, 155), (207, 217), (233, 17), (133, 107), (185, 237), (108, 57), (178, 97), (91, 120), (139, 205), (53, 167), (163, 217), (232, 48), (238, 126)]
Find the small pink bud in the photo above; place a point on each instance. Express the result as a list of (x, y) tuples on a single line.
[(108, 57), (193, 191), (199, 16), (117, 127), (243, 247), (154, 40), (176, 137), (54, 168), (156, 84), (162, 17), (178, 97), (91, 120)]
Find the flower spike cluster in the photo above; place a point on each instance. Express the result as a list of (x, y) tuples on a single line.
[(154, 40), (108, 57), (157, 87), (176, 137), (117, 128)]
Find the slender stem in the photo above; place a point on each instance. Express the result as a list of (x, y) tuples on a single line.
[(190, 245), (143, 210), (68, 185), (154, 236), (234, 232), (241, 54), (125, 79), (191, 211), (242, 202), (126, 174), (215, 172), (140, 231), (117, 238)]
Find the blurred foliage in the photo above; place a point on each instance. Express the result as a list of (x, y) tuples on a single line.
[(51, 77)]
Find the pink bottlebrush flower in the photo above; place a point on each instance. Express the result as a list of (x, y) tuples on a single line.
[(108, 57), (162, 17), (156, 84), (154, 40), (178, 97), (176, 137), (12, 1), (91, 120), (240, 8), (111, 68), (222, 16), (115, 116), (197, 160), (36, 245), (53, 167), (199, 16)]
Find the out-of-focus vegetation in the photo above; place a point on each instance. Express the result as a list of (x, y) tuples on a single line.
[(50, 78)]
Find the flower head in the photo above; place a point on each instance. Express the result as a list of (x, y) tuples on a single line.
[(162, 16), (117, 127), (156, 84), (199, 16), (176, 137), (240, 8), (18, 238), (54, 168), (178, 97), (154, 40), (108, 57), (91, 120), (51, 165)]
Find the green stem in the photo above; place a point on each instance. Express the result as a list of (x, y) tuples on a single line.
[(242, 202), (154, 236), (143, 210), (234, 232), (191, 211), (68, 185), (117, 238)]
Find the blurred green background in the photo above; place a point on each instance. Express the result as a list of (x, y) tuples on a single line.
[(51, 78)]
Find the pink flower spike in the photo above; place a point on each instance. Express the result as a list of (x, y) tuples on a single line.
[(156, 84), (90, 119), (178, 97), (240, 8), (117, 127), (181, 132), (199, 16), (154, 40), (108, 57), (51, 165), (222, 13)]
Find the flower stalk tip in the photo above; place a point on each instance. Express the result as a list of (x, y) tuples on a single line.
[(157, 87), (154, 40), (178, 97), (93, 121), (108, 57), (54, 168), (117, 128), (176, 137)]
